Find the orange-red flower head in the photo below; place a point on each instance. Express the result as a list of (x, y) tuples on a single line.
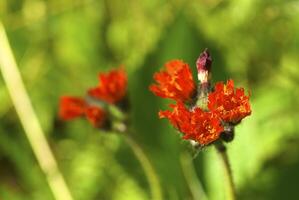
[(198, 125), (231, 104), (73, 107), (112, 87), (175, 82), (207, 127)]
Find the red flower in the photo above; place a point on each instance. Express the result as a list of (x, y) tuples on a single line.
[(176, 82), (73, 107), (230, 104), (112, 87), (198, 125), (95, 115)]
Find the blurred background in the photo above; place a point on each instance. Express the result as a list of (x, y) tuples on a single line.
[(60, 46)]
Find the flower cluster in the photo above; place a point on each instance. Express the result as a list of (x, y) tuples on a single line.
[(205, 114), (111, 89)]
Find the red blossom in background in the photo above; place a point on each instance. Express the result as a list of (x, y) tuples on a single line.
[(202, 127), (71, 107), (112, 87), (231, 104), (95, 115), (175, 82), (74, 107)]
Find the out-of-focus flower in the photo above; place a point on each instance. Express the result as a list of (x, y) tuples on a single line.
[(112, 87), (231, 104), (95, 115), (198, 125), (111, 90), (175, 82), (74, 107), (71, 107)]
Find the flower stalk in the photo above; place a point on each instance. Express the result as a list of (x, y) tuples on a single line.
[(221, 149), (151, 175)]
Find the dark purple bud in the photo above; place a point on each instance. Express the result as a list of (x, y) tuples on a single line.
[(204, 61)]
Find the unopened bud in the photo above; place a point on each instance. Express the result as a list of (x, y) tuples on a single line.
[(203, 65)]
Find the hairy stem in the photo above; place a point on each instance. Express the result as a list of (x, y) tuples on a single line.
[(221, 149), (150, 173), (29, 120)]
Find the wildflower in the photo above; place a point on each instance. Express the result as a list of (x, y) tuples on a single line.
[(198, 125), (111, 90), (214, 114), (74, 107), (71, 107), (231, 104), (175, 82), (95, 115), (207, 128), (112, 87)]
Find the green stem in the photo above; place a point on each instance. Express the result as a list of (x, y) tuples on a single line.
[(147, 167), (191, 177), (221, 149)]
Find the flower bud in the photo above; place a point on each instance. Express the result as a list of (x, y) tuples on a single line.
[(203, 65)]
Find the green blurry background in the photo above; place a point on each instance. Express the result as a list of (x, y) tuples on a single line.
[(60, 46)]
